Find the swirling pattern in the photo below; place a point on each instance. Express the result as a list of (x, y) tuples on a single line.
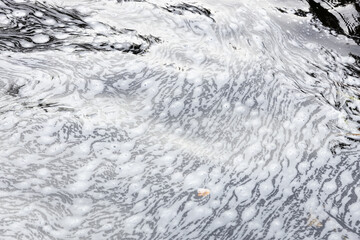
[(257, 108), (35, 26)]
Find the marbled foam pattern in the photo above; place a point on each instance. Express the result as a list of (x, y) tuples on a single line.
[(99, 141)]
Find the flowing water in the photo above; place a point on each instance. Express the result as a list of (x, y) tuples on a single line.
[(113, 114)]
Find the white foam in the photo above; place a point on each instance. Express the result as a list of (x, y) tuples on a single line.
[(49, 21), (38, 14), (61, 36), (19, 13), (266, 188), (248, 213), (43, 172), (4, 20), (40, 38), (70, 222), (329, 187), (176, 107), (127, 139), (26, 44)]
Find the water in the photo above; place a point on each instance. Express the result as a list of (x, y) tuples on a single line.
[(114, 114)]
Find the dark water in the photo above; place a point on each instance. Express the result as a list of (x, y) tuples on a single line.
[(179, 120)]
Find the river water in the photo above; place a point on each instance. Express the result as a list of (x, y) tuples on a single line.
[(115, 114)]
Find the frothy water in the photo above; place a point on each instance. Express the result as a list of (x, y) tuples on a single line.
[(113, 114)]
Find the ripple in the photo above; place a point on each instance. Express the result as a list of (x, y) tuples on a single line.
[(255, 106)]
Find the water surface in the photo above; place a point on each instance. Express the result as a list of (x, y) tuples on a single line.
[(113, 114)]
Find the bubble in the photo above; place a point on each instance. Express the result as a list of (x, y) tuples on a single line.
[(49, 21), (40, 38), (4, 20), (39, 14), (70, 222), (26, 44), (19, 13), (248, 213), (43, 172), (61, 36), (176, 107)]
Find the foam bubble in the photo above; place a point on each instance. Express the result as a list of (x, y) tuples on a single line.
[(26, 44), (19, 13), (49, 21), (248, 213), (176, 107), (70, 222), (40, 38)]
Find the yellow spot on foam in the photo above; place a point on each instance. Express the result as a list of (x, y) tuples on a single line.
[(314, 222), (202, 192)]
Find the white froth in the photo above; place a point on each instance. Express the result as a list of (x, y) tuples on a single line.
[(4, 20), (176, 107), (19, 13), (38, 14), (49, 21), (26, 44), (100, 144), (248, 213), (40, 38)]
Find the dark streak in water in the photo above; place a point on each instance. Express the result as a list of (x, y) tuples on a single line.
[(180, 8), (120, 1), (68, 21), (300, 13), (14, 90), (328, 19)]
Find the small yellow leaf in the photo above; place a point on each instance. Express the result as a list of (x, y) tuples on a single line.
[(203, 192), (315, 222)]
